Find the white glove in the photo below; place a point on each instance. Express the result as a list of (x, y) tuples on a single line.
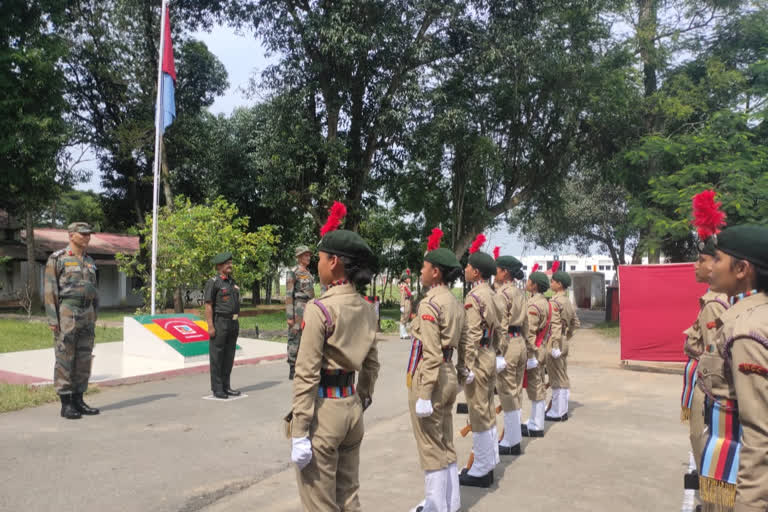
[(470, 378), (423, 408), (532, 363), (500, 364), (402, 310), (301, 451), (556, 353)]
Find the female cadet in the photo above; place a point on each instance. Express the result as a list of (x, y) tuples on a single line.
[(338, 339), (432, 380)]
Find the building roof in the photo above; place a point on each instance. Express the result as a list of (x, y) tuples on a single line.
[(48, 240)]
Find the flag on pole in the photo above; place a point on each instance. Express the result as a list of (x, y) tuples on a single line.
[(169, 76)]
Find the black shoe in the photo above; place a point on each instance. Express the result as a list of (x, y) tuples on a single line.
[(291, 373), (68, 409), (484, 481), (462, 408), (691, 481), (524, 430), (220, 394), (81, 406), (510, 450), (232, 392), (553, 418), (532, 433)]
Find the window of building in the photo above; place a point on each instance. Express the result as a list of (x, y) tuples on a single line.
[(573, 267), (601, 267)]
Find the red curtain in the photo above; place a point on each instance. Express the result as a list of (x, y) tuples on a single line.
[(657, 303)]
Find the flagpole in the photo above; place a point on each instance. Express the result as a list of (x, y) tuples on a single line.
[(159, 107)]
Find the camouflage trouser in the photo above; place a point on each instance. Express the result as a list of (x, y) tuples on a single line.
[(74, 349), (294, 333)]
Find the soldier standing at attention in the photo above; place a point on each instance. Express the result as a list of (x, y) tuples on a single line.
[(477, 365), (564, 323), (513, 306), (338, 340), (406, 303), (222, 307), (536, 337), (299, 289), (72, 304), (431, 377)]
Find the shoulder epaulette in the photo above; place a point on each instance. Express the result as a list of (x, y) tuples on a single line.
[(58, 253)]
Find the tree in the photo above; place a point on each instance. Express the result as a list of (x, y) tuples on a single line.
[(189, 236), (76, 206)]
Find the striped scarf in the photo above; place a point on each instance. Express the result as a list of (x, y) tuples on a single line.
[(413, 360), (689, 385), (719, 465)]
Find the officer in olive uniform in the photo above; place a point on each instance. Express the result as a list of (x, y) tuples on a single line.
[(299, 289), (72, 304), (733, 373), (222, 307)]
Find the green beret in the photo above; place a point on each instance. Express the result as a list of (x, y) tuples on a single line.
[(707, 247), (443, 257), (747, 242), (483, 262), (302, 249), (563, 278), (347, 243), (222, 257), (80, 227), (541, 280), (509, 263)]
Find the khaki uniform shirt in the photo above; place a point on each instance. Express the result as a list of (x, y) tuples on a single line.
[(564, 321), (438, 324), (406, 304), (511, 302), (702, 333), (350, 345), (482, 319), (538, 311)]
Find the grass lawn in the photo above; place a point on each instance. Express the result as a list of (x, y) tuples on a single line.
[(19, 396), (18, 335), (609, 329)]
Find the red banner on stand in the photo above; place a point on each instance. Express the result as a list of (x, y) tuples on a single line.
[(657, 303)]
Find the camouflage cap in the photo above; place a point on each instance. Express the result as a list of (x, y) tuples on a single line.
[(80, 227), (302, 249), (222, 257)]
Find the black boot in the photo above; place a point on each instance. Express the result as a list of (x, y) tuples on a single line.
[(221, 395), (81, 406), (484, 481), (291, 372), (68, 410), (510, 450), (231, 392)]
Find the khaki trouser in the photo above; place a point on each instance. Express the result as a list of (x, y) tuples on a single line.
[(558, 369), (536, 390), (434, 434), (696, 424), (330, 482), (510, 381), (479, 393)]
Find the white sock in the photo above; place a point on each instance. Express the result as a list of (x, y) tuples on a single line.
[(537, 417), (691, 462), (554, 411), (495, 442), (485, 458), (563, 402), (435, 491), (512, 431), (454, 489)]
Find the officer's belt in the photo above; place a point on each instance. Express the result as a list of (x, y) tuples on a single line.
[(225, 316), (337, 378), (487, 338), (78, 302), (448, 354), (515, 331)]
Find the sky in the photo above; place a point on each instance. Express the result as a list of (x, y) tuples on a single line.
[(242, 56)]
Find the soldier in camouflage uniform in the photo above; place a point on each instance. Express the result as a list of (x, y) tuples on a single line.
[(299, 289), (72, 303)]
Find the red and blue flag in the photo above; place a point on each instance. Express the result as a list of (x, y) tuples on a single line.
[(169, 77)]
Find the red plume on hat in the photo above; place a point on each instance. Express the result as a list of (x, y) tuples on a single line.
[(555, 266), (433, 242), (477, 244), (496, 252), (535, 268), (408, 272), (337, 212), (707, 216)]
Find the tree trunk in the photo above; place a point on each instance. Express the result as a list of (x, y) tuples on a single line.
[(178, 301), (268, 290), (256, 298), (34, 295)]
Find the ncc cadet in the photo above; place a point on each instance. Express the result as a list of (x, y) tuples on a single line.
[(299, 289), (222, 307), (700, 335), (536, 337), (513, 306), (72, 304), (564, 323), (432, 380), (338, 340), (477, 365), (406, 303)]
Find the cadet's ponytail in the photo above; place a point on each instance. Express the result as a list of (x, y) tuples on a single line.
[(357, 272), (450, 274), (519, 275)]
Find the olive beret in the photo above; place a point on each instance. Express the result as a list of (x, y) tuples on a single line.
[(541, 279), (222, 257), (746, 242), (563, 278), (443, 257), (342, 242), (509, 263), (483, 262)]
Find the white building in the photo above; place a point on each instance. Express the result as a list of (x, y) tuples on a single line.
[(572, 263)]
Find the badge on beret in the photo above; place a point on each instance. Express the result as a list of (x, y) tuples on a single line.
[(428, 317)]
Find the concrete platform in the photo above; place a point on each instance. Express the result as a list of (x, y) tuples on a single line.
[(112, 367)]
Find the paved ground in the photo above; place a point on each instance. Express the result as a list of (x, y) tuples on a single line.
[(159, 447)]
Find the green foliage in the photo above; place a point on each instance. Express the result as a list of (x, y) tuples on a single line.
[(23, 335), (77, 206), (189, 236), (14, 397)]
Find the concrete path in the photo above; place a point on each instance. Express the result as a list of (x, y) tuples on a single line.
[(159, 447)]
